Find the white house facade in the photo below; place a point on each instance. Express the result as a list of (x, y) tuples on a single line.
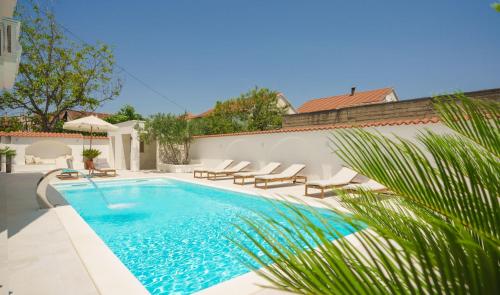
[(10, 49)]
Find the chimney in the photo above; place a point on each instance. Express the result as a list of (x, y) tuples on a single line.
[(353, 90)]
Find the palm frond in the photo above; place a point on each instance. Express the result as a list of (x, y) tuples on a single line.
[(438, 233)]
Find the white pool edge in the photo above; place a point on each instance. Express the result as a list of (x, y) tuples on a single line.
[(109, 274)]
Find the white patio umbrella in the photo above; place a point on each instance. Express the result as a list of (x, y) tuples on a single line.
[(89, 124)]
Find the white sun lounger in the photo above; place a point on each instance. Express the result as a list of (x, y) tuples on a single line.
[(342, 177), (370, 185), (289, 173), (268, 169), (213, 174), (198, 173)]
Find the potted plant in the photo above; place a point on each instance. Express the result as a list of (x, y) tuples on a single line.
[(9, 154), (89, 155)]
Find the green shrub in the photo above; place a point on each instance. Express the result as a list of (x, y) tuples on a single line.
[(91, 153)]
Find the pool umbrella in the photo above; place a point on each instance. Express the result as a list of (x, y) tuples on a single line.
[(89, 124)]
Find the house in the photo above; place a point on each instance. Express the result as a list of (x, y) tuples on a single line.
[(10, 49), (282, 102), (71, 115), (351, 99)]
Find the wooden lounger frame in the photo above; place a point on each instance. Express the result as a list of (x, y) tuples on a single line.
[(67, 175), (266, 181), (320, 187), (242, 177), (200, 172), (214, 175), (104, 173)]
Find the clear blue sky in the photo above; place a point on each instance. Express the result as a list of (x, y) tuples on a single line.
[(197, 52)]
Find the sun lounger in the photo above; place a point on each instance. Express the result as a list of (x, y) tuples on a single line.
[(213, 174), (198, 173), (289, 174), (343, 177), (370, 185), (101, 168), (268, 169), (67, 174)]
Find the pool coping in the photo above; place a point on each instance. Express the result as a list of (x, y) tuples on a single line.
[(111, 276)]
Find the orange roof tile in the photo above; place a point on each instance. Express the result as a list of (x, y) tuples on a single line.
[(332, 126), (204, 114), (345, 100), (48, 134)]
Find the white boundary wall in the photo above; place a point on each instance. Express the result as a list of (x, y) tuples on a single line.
[(52, 145), (312, 148)]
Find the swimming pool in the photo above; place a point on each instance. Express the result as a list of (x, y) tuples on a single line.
[(172, 235)]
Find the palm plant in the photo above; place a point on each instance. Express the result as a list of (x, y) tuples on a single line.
[(436, 233)]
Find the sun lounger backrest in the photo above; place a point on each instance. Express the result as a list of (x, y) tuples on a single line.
[(269, 168), (239, 166), (101, 163), (223, 165), (293, 170), (345, 175), (373, 185)]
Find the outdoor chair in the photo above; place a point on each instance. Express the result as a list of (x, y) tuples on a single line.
[(290, 174), (343, 177)]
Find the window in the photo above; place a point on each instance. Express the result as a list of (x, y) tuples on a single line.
[(141, 147), (9, 38)]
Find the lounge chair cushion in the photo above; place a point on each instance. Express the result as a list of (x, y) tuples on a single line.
[(344, 176), (236, 168), (370, 185), (269, 168), (287, 173), (223, 165)]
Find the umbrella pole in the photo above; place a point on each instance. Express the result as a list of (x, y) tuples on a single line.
[(90, 137)]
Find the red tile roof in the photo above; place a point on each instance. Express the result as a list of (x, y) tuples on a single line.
[(48, 134), (345, 100), (204, 114), (334, 126), (75, 114)]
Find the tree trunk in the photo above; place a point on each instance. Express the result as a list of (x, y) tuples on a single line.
[(8, 164), (45, 124)]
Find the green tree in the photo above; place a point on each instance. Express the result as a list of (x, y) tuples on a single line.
[(265, 113), (257, 109), (9, 124), (172, 133), (437, 233), (126, 113), (496, 6), (56, 74)]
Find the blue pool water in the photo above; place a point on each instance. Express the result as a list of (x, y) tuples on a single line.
[(172, 235)]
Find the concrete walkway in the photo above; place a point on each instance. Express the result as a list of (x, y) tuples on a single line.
[(37, 255)]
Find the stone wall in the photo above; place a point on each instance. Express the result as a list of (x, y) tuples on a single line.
[(406, 109)]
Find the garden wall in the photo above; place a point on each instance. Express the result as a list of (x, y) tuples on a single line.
[(310, 147)]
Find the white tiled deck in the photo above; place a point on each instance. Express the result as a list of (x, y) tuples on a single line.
[(44, 258)]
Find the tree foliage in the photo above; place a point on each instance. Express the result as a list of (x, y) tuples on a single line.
[(9, 124), (437, 233), (496, 6), (56, 74), (173, 134), (126, 113), (257, 109)]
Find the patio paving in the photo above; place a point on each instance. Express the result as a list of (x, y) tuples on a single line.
[(41, 257)]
